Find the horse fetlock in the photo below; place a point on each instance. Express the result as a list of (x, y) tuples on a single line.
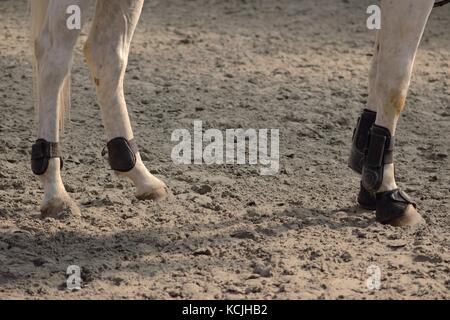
[(125, 160), (148, 187)]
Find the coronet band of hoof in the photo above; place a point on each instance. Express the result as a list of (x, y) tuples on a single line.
[(366, 199), (379, 153), (392, 205), (122, 154), (41, 152), (360, 139)]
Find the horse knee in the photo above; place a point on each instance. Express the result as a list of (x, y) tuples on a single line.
[(53, 58), (40, 45), (106, 66)]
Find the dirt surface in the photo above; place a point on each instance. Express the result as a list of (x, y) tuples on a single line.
[(227, 232)]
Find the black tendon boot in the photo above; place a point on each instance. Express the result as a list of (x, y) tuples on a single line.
[(391, 204), (360, 142)]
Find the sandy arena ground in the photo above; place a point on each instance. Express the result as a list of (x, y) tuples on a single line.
[(226, 232)]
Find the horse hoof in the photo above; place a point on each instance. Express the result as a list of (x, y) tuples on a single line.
[(411, 218), (156, 195), (60, 208)]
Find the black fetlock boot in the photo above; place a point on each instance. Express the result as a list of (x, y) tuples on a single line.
[(41, 153), (121, 154)]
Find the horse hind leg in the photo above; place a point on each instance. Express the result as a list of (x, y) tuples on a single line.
[(54, 45), (106, 52)]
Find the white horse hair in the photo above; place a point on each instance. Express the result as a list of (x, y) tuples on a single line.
[(106, 52)]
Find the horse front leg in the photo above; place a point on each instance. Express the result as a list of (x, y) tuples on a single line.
[(403, 23), (106, 52), (54, 44), (360, 140)]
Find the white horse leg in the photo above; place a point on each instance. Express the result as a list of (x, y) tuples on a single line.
[(106, 52), (53, 50), (403, 23), (361, 133), (371, 104)]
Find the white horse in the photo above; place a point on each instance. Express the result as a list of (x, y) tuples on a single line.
[(106, 52), (402, 27)]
